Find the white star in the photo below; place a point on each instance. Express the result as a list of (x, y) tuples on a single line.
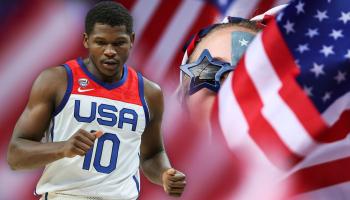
[(300, 7), (347, 55), (289, 27), (312, 32), (308, 90), (317, 69), (329, 1), (326, 96), (336, 34), (303, 47), (327, 50), (340, 77), (321, 15), (345, 17), (243, 42)]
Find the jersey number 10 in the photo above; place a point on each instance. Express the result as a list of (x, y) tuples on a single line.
[(98, 154)]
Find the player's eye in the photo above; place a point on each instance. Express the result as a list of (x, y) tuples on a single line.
[(119, 43), (101, 43)]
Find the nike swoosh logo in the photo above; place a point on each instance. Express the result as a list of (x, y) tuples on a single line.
[(84, 90)]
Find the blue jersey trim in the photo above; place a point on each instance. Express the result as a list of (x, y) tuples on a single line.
[(52, 128), (137, 183), (142, 97), (68, 90), (108, 86)]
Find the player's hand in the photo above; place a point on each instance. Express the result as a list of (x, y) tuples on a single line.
[(79, 143), (174, 182)]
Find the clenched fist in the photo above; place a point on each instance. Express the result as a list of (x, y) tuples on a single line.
[(174, 182), (79, 143)]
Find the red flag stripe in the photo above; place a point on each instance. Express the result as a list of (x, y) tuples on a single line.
[(128, 4), (260, 129), (309, 178), (339, 130), (142, 12), (25, 14), (207, 16), (155, 28), (26, 17), (263, 6), (287, 70), (268, 85), (169, 44)]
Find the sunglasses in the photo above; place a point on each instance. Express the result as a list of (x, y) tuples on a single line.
[(206, 72)]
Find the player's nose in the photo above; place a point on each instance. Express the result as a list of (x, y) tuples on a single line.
[(110, 51)]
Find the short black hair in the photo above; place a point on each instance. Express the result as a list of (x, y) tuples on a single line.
[(109, 13)]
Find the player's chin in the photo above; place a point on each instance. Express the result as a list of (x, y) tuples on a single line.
[(108, 72)]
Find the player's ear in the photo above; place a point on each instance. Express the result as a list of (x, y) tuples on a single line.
[(85, 40), (132, 39)]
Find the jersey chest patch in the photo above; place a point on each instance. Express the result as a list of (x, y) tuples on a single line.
[(105, 114)]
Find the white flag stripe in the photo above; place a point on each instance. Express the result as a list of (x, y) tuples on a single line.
[(142, 12), (334, 192), (235, 131), (171, 40), (231, 116), (325, 153), (56, 27), (333, 112), (268, 85), (240, 8), (235, 127)]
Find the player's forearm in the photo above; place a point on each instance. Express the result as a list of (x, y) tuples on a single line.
[(27, 154), (155, 166)]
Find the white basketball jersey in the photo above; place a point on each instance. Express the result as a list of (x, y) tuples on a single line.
[(109, 170)]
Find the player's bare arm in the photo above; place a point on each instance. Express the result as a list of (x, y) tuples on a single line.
[(154, 161), (25, 149)]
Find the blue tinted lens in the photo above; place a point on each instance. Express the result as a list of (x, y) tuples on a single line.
[(206, 72)]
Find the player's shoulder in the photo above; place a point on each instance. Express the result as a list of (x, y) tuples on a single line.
[(51, 80), (151, 88), (52, 76), (54, 72), (154, 97)]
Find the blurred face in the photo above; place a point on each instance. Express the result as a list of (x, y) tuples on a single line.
[(219, 45), (109, 48)]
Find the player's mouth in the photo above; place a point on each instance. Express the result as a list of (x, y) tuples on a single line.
[(110, 64)]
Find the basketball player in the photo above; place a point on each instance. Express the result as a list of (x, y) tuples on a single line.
[(92, 122)]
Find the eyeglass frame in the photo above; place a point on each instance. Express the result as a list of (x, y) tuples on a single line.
[(225, 67)]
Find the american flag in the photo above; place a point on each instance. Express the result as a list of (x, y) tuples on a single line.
[(287, 106), (37, 34)]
